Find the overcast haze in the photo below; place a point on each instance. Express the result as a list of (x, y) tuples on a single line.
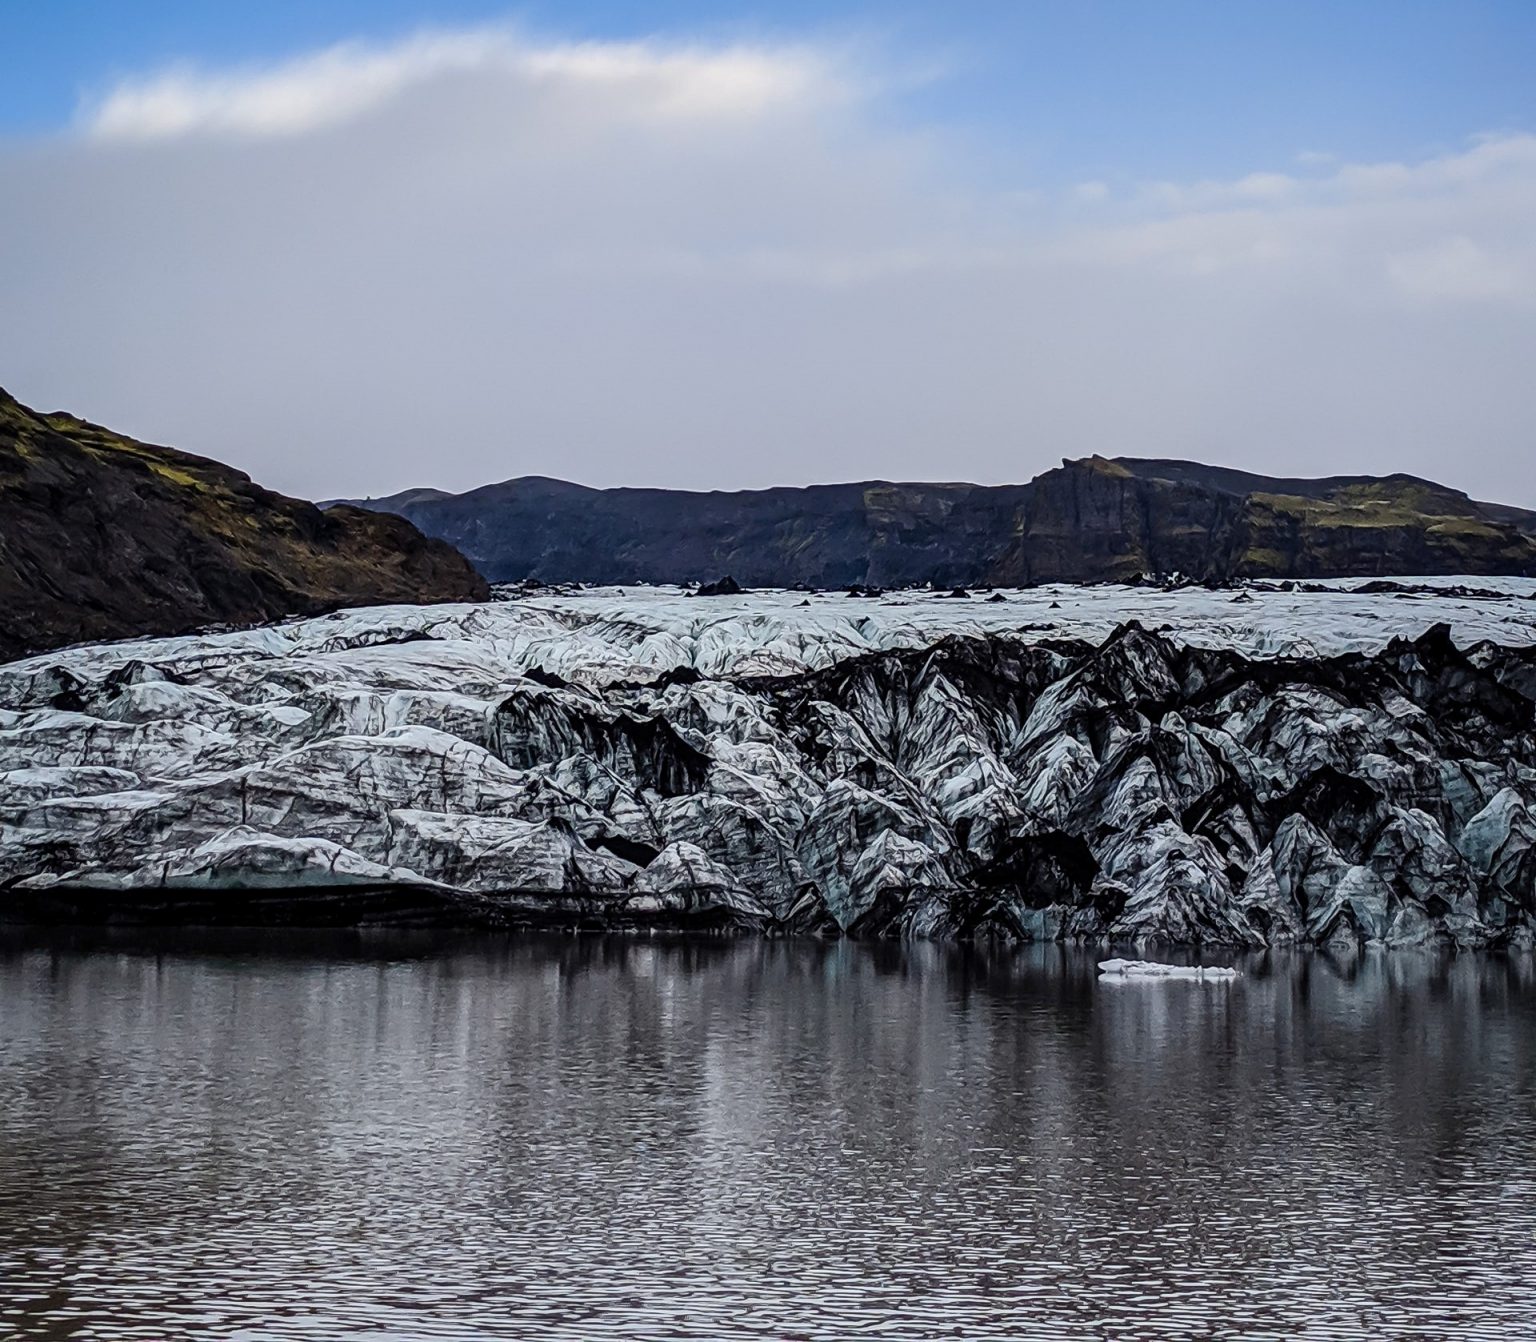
[(467, 252)]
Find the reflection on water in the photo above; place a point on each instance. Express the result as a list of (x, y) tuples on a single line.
[(279, 1137)]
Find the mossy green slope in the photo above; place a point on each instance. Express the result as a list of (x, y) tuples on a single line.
[(1117, 518), (102, 536)]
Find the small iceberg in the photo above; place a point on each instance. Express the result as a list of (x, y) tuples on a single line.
[(1151, 969)]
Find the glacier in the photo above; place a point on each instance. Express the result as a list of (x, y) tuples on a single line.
[(1328, 763)]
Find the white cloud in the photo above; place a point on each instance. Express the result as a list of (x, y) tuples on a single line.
[(1458, 269), (351, 79), (475, 255)]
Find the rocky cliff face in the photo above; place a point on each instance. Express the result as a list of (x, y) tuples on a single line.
[(823, 536), (104, 537), (1099, 519), (1091, 520), (402, 767)]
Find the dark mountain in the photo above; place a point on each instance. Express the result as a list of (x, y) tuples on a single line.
[(104, 537), (823, 534), (1092, 519)]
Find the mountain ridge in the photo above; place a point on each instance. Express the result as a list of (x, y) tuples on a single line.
[(1091, 519), (103, 536)]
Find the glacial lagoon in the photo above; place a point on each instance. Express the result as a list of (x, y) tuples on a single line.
[(252, 1135)]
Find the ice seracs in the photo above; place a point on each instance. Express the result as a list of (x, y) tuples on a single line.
[(909, 766)]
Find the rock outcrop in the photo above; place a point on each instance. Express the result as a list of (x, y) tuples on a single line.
[(726, 586), (1140, 789), (1090, 520), (105, 537)]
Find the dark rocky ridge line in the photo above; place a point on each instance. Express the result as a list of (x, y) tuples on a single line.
[(105, 537), (1094, 519), (1138, 791)]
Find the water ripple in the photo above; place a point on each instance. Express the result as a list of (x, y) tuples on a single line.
[(309, 1138)]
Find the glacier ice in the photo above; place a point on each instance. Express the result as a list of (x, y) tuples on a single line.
[(1155, 969), (1136, 765)]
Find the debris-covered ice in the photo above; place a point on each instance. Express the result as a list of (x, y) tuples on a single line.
[(1134, 764)]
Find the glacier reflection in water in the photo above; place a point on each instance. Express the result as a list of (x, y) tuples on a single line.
[(298, 1137)]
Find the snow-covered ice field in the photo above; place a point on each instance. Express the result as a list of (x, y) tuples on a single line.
[(600, 635)]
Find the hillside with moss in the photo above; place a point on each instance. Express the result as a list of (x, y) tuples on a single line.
[(102, 536), (1091, 519), (1115, 518)]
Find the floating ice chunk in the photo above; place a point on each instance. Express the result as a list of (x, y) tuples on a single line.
[(1151, 969)]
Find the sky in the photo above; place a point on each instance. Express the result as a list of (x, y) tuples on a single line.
[(355, 246)]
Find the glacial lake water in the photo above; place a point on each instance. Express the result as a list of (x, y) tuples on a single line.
[(256, 1136)]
